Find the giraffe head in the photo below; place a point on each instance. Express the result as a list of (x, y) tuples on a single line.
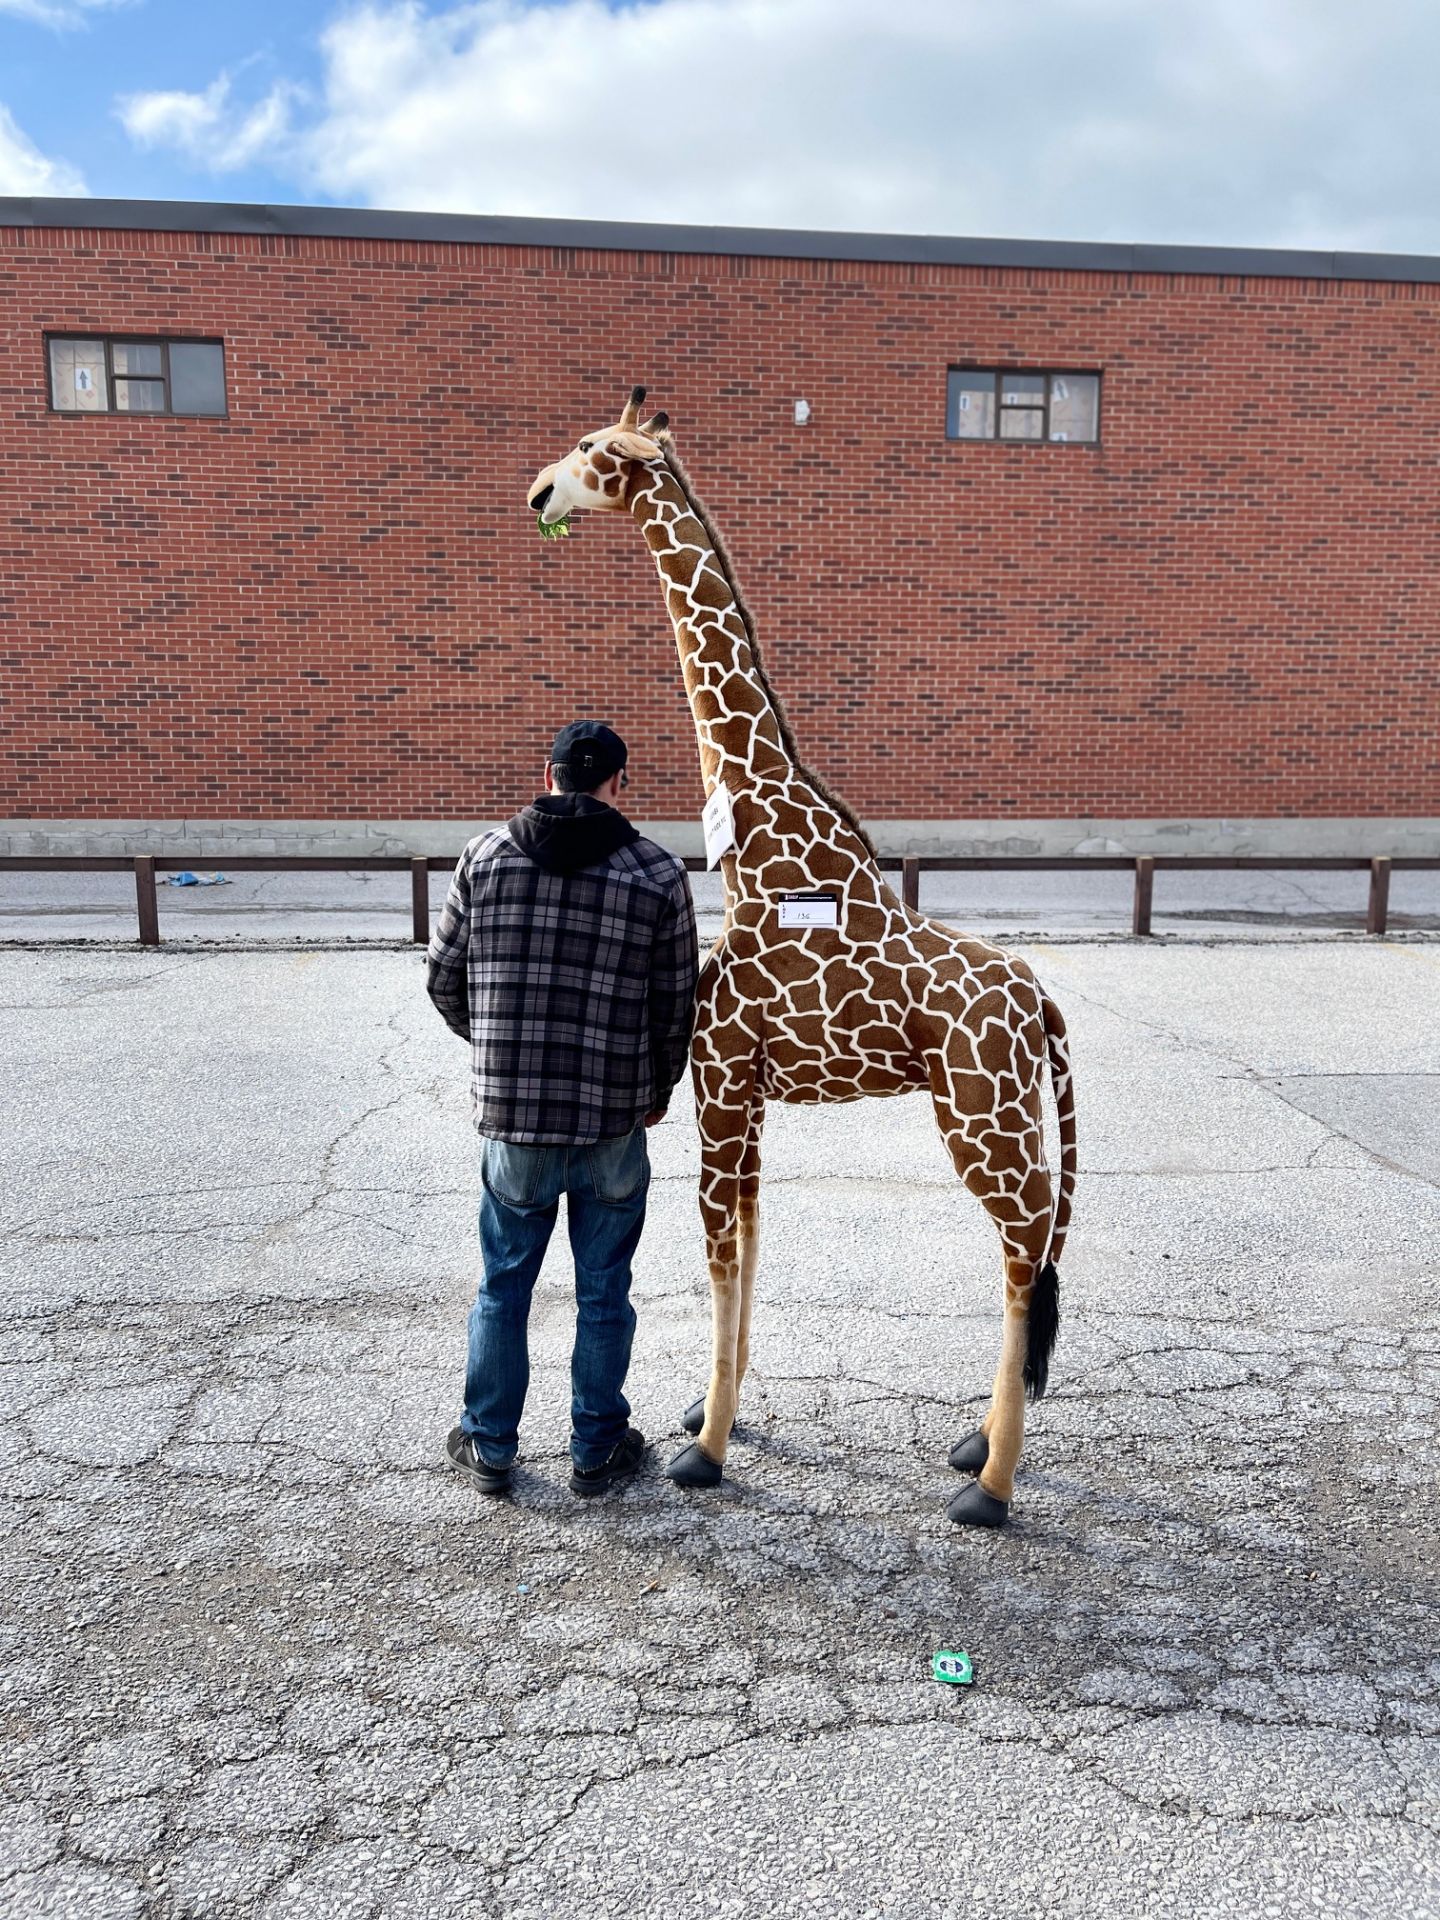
[(601, 469)]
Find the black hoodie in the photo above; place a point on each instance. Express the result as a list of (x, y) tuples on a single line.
[(563, 832)]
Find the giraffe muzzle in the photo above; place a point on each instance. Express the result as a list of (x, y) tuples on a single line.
[(539, 497)]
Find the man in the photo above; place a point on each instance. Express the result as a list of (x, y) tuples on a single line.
[(566, 955)]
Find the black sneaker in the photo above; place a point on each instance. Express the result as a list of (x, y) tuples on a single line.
[(465, 1457), (624, 1457)]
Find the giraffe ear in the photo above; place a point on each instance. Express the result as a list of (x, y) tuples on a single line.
[(634, 446)]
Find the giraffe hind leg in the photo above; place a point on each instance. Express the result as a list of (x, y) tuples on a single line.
[(972, 1454), (1013, 1185), (1030, 1318)]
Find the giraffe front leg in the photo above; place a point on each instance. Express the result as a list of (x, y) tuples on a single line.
[(700, 1464), (748, 1226), (724, 1132), (693, 1418)]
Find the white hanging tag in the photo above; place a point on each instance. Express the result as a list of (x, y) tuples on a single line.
[(718, 820), (813, 909)]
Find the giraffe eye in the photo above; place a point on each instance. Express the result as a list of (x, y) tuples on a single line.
[(586, 445)]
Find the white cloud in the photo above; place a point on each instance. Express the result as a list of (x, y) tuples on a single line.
[(210, 127), (1284, 122), (25, 170), (55, 13)]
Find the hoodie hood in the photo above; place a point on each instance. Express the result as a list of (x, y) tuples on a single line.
[(563, 832)]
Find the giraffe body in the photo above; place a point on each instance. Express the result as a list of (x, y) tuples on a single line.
[(885, 1002)]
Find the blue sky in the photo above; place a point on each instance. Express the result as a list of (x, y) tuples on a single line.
[(1248, 122), (61, 83)]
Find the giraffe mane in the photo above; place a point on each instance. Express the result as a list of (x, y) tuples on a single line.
[(782, 719)]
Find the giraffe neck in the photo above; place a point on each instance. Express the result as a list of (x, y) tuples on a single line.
[(741, 735)]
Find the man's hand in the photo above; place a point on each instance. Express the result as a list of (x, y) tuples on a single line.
[(654, 1119)]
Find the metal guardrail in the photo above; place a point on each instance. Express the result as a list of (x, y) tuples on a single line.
[(1144, 866)]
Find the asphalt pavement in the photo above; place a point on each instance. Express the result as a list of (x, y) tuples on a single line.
[(263, 1656)]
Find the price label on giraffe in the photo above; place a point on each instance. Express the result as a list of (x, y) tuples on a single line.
[(817, 909), (718, 820)]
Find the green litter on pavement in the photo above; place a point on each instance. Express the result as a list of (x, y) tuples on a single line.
[(953, 1668)]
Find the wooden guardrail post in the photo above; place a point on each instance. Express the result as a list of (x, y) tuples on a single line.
[(910, 882), (420, 902), (1144, 893), (147, 908), (1378, 916)]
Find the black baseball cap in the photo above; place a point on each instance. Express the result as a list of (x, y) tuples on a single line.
[(590, 752)]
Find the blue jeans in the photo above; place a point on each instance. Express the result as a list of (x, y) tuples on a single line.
[(606, 1185)]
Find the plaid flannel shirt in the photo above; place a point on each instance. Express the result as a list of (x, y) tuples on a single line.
[(575, 990)]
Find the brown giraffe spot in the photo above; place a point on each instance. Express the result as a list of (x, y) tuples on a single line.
[(744, 700), (805, 996), (995, 1049), (786, 876), (864, 923), (805, 1030), (710, 591), (830, 865), (886, 985), (752, 983), (789, 821)]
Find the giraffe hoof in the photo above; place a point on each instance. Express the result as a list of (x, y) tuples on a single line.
[(692, 1468), (969, 1456), (973, 1507), (693, 1417)]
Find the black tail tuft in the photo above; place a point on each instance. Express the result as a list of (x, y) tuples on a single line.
[(1043, 1327)]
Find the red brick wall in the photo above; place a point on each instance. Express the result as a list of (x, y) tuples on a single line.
[(334, 604)]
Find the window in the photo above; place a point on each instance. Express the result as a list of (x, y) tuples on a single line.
[(137, 376), (989, 404)]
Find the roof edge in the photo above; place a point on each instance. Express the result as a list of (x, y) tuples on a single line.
[(771, 243)]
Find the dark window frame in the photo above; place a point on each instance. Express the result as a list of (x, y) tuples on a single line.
[(109, 341), (1049, 375)]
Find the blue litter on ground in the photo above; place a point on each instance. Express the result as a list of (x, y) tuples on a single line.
[(188, 879)]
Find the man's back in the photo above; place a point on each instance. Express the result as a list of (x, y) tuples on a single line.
[(566, 954)]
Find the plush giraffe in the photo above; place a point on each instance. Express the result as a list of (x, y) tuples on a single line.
[(882, 1001)]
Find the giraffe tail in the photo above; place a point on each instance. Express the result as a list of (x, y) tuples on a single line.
[(1044, 1316)]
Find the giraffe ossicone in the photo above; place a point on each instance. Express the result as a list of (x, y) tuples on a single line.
[(882, 1001)]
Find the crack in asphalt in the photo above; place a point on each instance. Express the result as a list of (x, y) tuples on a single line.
[(1335, 1132)]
